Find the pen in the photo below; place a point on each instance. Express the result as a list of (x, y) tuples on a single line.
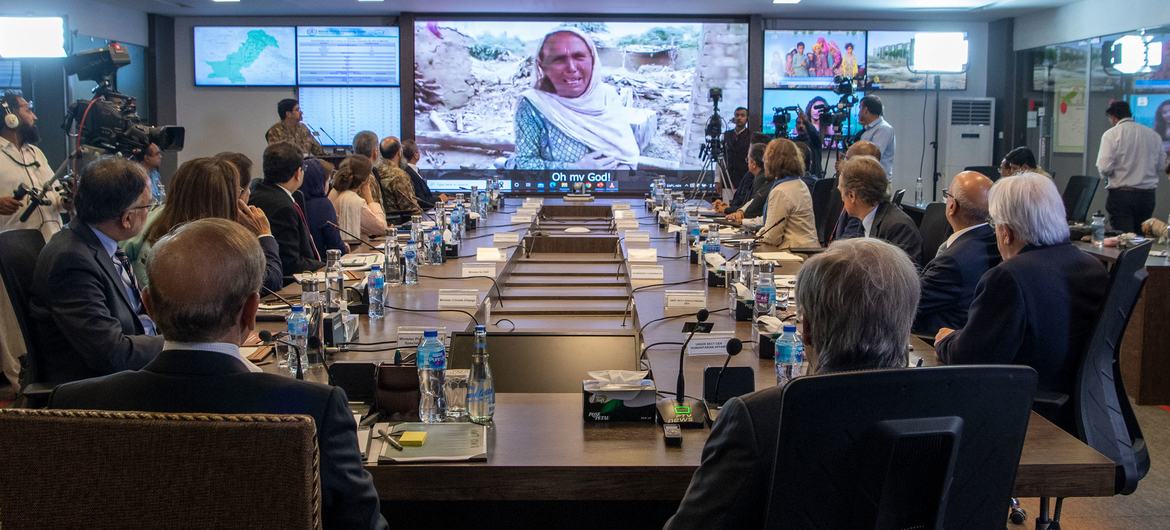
[(393, 443)]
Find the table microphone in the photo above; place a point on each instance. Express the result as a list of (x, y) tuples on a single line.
[(765, 232), (680, 410), (267, 337), (734, 346), (355, 237), (277, 295)]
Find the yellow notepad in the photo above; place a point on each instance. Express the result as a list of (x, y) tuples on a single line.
[(413, 438)]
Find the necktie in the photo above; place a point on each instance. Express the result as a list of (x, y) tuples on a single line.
[(305, 220), (127, 277)]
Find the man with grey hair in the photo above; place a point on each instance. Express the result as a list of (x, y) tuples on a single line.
[(1038, 307), (207, 308), (856, 301), (365, 143), (754, 192), (949, 280), (864, 186)]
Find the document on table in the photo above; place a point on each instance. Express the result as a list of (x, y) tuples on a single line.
[(445, 442)]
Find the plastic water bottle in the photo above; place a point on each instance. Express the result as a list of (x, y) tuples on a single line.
[(1098, 229), (334, 279), (765, 291), (298, 334), (432, 367), (713, 245), (789, 356), (392, 265), (416, 229), (745, 264), (919, 194), (411, 276), (693, 231), (436, 250), (457, 224), (481, 389), (377, 286)]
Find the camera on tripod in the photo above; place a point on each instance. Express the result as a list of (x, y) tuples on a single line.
[(780, 119)]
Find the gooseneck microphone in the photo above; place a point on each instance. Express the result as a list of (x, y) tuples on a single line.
[(278, 297), (681, 384), (351, 234), (267, 337), (734, 346), (769, 229), (683, 411)]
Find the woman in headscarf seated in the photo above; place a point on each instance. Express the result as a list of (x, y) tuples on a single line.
[(570, 119)]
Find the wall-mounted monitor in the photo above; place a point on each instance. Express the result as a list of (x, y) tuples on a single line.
[(811, 59), (815, 104), (245, 56), (553, 96), (339, 113), (347, 56), (1153, 111), (888, 61)]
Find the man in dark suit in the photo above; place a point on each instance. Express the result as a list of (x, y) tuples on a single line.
[(1038, 307), (277, 196), (949, 280), (422, 192), (85, 308), (834, 292), (201, 370), (736, 143), (863, 186), (752, 192)]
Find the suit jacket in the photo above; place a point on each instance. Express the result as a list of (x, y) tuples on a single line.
[(82, 320), (761, 186), (743, 192), (289, 229), (422, 191), (204, 381), (890, 224), (736, 149), (949, 280), (1037, 309)]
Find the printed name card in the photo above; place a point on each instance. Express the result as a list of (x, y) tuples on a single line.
[(636, 236), (646, 272), (458, 298), (685, 299), (479, 269), (710, 343), (642, 255), (622, 214), (489, 254), (626, 224), (501, 239), (621, 206), (527, 211), (521, 219), (409, 336)]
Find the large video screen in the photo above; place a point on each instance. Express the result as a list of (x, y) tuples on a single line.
[(339, 113), (887, 60), (347, 56), (811, 59), (555, 96), (245, 56), (1153, 111), (813, 103)]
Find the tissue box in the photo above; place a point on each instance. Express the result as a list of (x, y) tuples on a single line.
[(766, 349), (745, 310), (450, 251), (716, 278), (624, 405)]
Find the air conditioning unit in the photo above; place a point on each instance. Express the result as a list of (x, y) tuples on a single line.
[(970, 135)]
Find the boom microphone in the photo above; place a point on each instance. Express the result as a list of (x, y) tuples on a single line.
[(350, 234), (734, 346)]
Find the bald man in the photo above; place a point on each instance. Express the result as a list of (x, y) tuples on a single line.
[(949, 280), (207, 308), (397, 191)]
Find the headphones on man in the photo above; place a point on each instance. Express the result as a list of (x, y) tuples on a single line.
[(11, 120)]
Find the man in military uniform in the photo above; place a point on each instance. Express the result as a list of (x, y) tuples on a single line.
[(290, 129), (397, 191)]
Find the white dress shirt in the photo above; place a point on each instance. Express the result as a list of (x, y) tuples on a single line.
[(1131, 156), (231, 350), (28, 166), (867, 221), (955, 236), (881, 133)]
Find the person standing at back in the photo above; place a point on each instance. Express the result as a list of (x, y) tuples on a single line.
[(283, 176), (878, 130), (290, 129), (1131, 159)]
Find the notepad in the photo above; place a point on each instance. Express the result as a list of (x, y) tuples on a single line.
[(445, 442), (413, 439)]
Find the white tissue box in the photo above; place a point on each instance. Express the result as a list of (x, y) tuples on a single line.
[(607, 402)]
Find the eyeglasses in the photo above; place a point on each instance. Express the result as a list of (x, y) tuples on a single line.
[(947, 194), (148, 207), (991, 222)]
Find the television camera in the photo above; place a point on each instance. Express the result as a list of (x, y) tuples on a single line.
[(781, 119)]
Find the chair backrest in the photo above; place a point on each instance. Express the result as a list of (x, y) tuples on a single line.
[(990, 172), (1078, 196), (19, 250), (396, 393), (1105, 419), (827, 206), (897, 197), (934, 229), (911, 448), (101, 469)]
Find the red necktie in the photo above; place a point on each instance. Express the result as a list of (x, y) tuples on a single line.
[(305, 220)]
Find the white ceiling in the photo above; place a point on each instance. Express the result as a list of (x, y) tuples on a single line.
[(962, 10)]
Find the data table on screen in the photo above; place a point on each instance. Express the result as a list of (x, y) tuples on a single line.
[(347, 56), (341, 112)]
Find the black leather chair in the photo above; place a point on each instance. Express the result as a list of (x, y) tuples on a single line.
[(18, 260), (898, 195), (1101, 414), (1078, 196), (827, 206), (912, 448), (990, 172), (934, 229)]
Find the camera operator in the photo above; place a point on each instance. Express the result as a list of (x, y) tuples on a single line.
[(24, 166), (810, 135), (736, 143), (878, 130)]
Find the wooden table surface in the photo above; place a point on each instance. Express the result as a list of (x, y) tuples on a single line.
[(540, 447)]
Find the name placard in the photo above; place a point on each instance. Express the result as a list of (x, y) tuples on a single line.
[(521, 219), (458, 298), (622, 214), (409, 336), (489, 254), (621, 206), (636, 236), (479, 269), (527, 211), (710, 343), (674, 228), (626, 224), (505, 238), (685, 299), (642, 255), (646, 272)]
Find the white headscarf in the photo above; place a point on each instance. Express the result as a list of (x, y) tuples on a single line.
[(596, 118)]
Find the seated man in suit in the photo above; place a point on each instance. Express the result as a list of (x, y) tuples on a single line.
[(844, 328), (200, 368), (864, 193), (949, 280), (277, 195), (422, 192), (1039, 306), (86, 310), (846, 226), (753, 205)]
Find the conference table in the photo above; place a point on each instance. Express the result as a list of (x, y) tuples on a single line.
[(540, 448)]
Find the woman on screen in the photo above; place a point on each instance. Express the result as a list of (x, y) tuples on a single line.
[(570, 119), (815, 111), (849, 61), (1162, 124)]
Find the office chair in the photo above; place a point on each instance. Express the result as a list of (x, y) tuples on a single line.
[(18, 260), (1101, 414), (990, 172), (897, 197), (911, 448), (934, 229), (1078, 197), (827, 206), (396, 392), (102, 469)]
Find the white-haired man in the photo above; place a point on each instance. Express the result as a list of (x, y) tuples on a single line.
[(1039, 306)]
